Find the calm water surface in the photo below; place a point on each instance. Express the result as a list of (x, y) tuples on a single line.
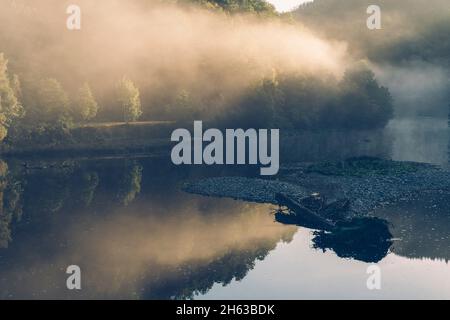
[(135, 235)]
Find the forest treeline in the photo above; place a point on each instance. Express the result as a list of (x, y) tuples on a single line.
[(47, 89)]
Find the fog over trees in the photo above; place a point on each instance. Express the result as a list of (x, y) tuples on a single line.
[(225, 62)]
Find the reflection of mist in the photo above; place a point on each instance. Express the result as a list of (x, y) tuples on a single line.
[(151, 249)]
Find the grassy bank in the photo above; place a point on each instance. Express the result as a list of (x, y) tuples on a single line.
[(110, 138)]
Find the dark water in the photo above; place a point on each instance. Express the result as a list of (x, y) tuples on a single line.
[(135, 235)]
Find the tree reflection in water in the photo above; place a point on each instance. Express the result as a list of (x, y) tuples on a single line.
[(135, 235), (131, 230)]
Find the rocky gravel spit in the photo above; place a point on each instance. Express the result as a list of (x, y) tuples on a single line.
[(241, 188), (366, 191)]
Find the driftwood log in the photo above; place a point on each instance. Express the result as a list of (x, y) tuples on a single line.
[(366, 239), (299, 214)]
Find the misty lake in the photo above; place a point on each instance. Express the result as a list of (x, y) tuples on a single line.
[(136, 235)]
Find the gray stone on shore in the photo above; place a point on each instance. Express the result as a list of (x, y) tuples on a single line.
[(366, 191), (249, 189)]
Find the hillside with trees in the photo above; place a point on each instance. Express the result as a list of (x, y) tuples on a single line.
[(221, 68), (411, 29)]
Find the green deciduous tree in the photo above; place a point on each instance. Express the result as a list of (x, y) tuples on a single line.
[(129, 100), (51, 102), (10, 107), (85, 106)]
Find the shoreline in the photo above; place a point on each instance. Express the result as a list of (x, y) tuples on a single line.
[(366, 191)]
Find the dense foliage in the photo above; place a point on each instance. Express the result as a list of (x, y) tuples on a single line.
[(129, 100), (85, 107), (300, 101)]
